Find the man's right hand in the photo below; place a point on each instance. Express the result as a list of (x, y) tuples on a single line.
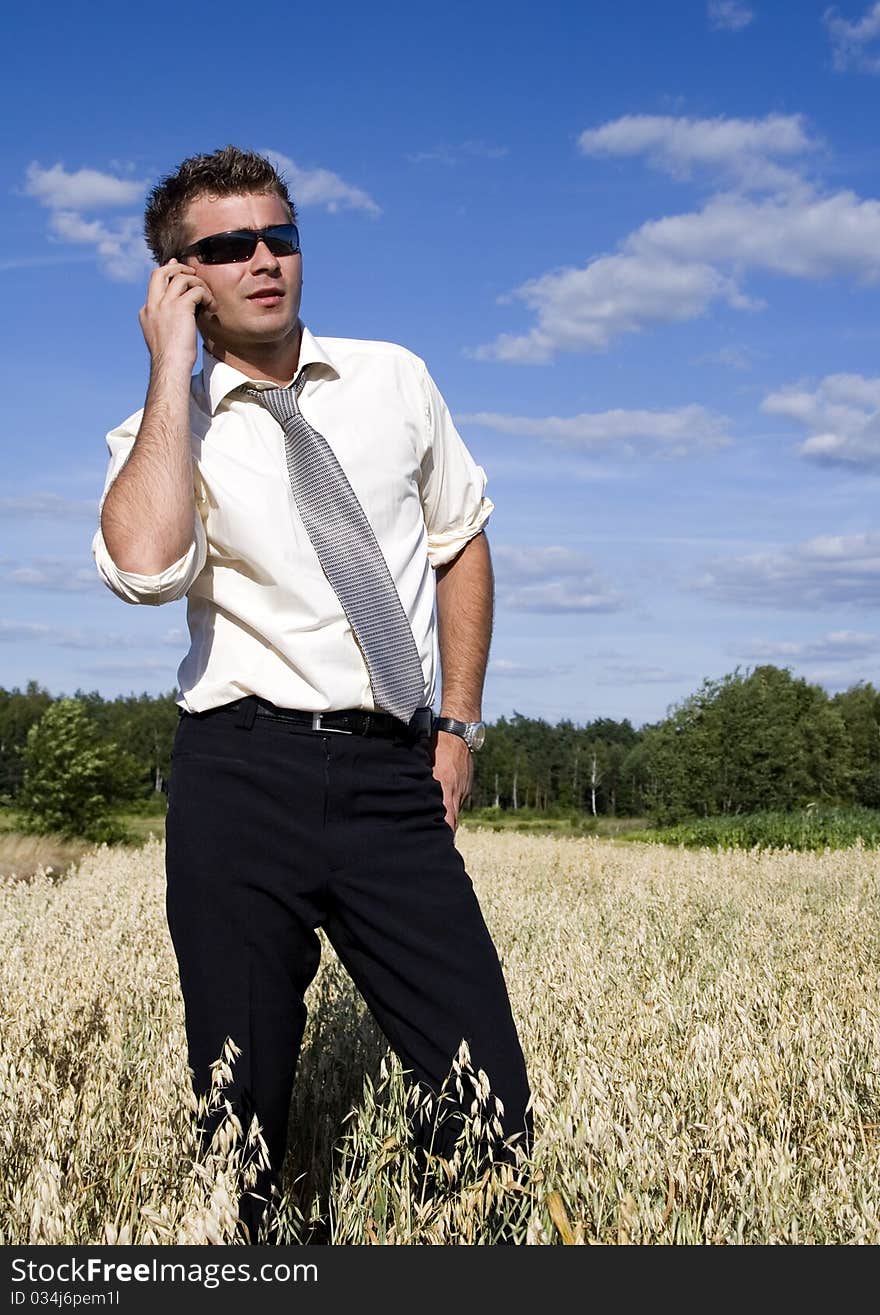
[(168, 318)]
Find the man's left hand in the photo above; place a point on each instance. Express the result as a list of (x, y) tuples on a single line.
[(454, 769)]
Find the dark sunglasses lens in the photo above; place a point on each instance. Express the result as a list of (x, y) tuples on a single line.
[(227, 248), (233, 248), (279, 247), (283, 240)]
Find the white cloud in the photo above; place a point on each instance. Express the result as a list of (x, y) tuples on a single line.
[(538, 563), (809, 236), (672, 433), (744, 150), (13, 631), (128, 668), (120, 247), (321, 187), (51, 506), (86, 189), (836, 646), (674, 269), (633, 674), (550, 579), (729, 15), (121, 250), (851, 41), (174, 637), (770, 220), (559, 596), (830, 571), (103, 640), (52, 573), (584, 309), (842, 417), (833, 681), (501, 667), (72, 637)]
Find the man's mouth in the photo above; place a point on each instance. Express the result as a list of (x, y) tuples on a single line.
[(271, 296)]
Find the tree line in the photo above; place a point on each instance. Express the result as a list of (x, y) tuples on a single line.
[(143, 725), (761, 740), (68, 763), (754, 740)]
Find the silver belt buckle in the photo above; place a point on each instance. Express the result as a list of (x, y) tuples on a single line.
[(317, 725)]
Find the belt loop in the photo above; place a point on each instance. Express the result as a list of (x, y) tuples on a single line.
[(247, 711)]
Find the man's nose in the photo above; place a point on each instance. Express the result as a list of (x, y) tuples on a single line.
[(263, 258)]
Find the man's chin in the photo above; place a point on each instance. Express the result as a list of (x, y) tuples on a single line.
[(252, 335)]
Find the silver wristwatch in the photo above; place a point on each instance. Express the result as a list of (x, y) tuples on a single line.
[(472, 732)]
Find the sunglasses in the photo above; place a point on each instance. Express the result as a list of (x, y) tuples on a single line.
[(240, 244)]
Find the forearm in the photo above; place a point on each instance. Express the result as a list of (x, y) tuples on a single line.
[(147, 517), (465, 605)]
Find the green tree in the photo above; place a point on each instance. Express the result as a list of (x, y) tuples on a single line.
[(679, 760), (72, 778), (19, 710), (636, 780), (860, 708), (528, 763), (764, 740), (491, 787), (146, 726)]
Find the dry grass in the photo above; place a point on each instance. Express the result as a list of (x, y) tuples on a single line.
[(702, 1031), (23, 856)]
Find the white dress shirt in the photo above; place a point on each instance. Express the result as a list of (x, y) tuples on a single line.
[(262, 616)]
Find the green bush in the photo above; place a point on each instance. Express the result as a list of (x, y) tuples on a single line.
[(812, 828), (531, 819), (72, 780)]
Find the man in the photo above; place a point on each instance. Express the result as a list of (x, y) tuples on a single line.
[(314, 502)]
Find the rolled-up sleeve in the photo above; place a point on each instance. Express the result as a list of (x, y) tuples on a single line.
[(452, 486), (131, 586)]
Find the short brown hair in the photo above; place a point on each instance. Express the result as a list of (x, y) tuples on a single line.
[(225, 172)]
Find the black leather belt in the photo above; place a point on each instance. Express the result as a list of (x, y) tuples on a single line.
[(349, 721)]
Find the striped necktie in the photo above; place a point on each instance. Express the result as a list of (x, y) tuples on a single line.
[(349, 555)]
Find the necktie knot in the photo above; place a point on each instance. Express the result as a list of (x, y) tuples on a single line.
[(279, 402)]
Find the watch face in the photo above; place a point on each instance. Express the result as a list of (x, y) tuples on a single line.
[(477, 736)]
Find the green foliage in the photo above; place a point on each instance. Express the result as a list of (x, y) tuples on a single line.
[(811, 828), (527, 763), (145, 725), (71, 778), (746, 743), (19, 710), (860, 709), (553, 820), (763, 741)]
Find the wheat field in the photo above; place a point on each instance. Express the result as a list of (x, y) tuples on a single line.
[(701, 1029)]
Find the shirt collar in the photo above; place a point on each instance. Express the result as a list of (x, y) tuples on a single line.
[(220, 379)]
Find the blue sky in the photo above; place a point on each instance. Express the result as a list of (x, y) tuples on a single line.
[(637, 244)]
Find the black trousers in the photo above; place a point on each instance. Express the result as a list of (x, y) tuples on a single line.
[(273, 830)]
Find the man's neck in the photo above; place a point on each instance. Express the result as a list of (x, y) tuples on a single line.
[(275, 362)]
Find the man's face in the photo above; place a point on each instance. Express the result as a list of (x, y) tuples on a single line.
[(257, 300)]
